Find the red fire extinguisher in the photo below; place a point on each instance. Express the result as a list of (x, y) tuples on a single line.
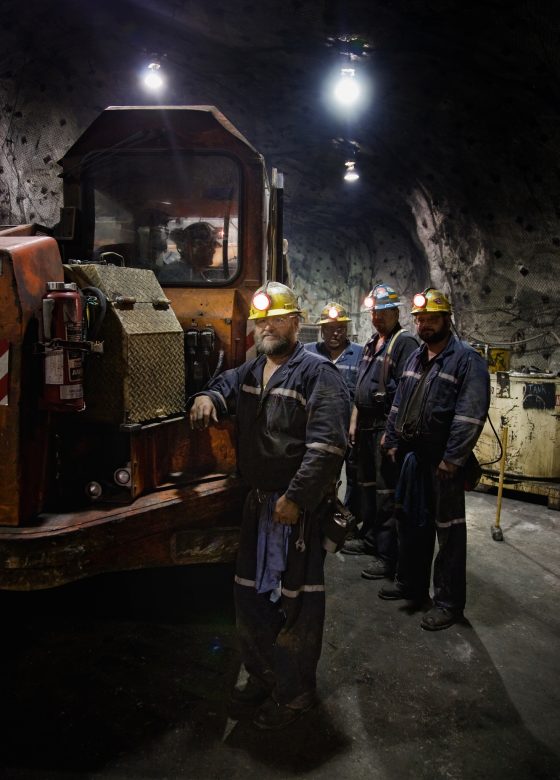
[(63, 388)]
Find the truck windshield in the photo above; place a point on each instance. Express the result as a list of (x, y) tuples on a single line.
[(174, 213)]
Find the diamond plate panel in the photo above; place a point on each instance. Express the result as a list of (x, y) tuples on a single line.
[(141, 374), (155, 386)]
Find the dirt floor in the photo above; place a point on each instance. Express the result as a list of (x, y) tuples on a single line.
[(128, 675)]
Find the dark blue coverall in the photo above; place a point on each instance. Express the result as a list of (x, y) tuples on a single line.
[(292, 438), (347, 363), (377, 475), (453, 408)]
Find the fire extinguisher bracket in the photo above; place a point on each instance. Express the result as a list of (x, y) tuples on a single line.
[(90, 347)]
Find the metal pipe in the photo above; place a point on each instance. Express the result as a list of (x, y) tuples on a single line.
[(281, 270)]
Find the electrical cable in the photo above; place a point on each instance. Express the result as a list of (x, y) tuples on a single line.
[(217, 369), (490, 462), (512, 343)]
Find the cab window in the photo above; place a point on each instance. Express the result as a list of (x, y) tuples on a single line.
[(174, 213)]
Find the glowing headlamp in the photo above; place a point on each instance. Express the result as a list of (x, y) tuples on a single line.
[(333, 313), (368, 302), (420, 300), (261, 301)]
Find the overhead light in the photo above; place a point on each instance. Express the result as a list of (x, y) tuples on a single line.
[(152, 77), (351, 172), (347, 89)]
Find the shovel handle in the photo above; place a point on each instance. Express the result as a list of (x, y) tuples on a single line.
[(502, 471)]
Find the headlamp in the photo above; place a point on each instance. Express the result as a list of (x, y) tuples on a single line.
[(333, 312), (420, 300), (368, 302), (261, 301)]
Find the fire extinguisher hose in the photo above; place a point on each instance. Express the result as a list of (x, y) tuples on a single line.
[(93, 331)]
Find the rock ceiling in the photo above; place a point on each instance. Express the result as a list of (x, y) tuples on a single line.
[(457, 144)]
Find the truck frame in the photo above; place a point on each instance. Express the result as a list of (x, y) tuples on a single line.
[(126, 484)]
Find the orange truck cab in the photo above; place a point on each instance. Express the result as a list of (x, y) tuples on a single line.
[(109, 322)]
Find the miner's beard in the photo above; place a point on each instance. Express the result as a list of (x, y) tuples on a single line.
[(271, 344)]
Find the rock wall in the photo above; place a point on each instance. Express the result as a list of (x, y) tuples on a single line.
[(458, 149), (342, 263)]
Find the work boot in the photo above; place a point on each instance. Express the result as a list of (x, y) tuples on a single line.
[(438, 618), (356, 547), (393, 592), (396, 592), (377, 570), (271, 715)]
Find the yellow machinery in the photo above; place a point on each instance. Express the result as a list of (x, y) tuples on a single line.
[(108, 323), (529, 406)]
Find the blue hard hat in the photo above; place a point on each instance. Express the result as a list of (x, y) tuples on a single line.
[(382, 296)]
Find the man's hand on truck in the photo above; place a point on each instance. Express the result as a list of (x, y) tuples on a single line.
[(203, 412)]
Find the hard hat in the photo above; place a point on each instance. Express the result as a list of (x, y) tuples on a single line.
[(272, 300), (381, 297), (333, 312), (430, 301)]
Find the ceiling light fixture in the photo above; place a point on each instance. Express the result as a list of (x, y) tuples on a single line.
[(347, 89), (351, 172), (152, 78)]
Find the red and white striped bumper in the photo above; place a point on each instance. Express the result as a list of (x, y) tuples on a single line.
[(4, 371)]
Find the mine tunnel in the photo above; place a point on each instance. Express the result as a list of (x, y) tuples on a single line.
[(162, 164)]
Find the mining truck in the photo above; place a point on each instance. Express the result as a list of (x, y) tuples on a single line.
[(108, 323)]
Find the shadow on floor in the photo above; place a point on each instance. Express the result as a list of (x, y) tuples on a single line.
[(447, 718), (98, 668), (129, 675), (433, 704)]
